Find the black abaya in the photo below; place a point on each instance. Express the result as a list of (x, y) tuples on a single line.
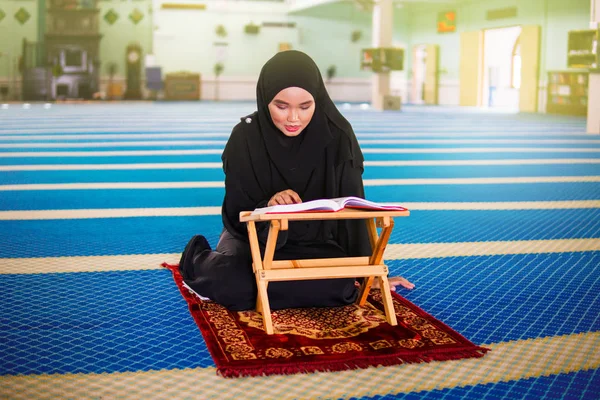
[(258, 162)]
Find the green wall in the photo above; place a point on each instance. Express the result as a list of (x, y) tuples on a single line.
[(329, 43), (326, 33), (117, 36), (115, 39), (327, 29), (12, 32), (556, 18), (184, 40)]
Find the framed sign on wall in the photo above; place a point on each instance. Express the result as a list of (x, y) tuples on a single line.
[(446, 22)]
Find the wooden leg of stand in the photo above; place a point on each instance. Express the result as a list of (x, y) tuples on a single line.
[(377, 255), (372, 229), (271, 244), (262, 298), (365, 288), (254, 247), (388, 302), (263, 302), (258, 306), (379, 249), (269, 254)]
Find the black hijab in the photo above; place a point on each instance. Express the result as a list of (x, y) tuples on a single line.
[(296, 157)]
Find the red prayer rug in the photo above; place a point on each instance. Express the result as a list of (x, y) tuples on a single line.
[(322, 339)]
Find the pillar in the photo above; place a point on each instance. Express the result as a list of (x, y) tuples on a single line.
[(383, 24), (593, 114), (41, 30)]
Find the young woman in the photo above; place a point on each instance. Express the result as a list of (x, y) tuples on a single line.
[(296, 147)]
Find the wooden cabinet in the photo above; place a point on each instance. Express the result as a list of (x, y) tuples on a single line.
[(567, 92), (182, 86)]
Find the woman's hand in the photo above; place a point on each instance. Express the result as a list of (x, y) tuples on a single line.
[(394, 281), (399, 281), (284, 197)]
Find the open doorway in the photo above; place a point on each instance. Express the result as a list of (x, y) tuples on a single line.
[(501, 68), (419, 72), (425, 74)]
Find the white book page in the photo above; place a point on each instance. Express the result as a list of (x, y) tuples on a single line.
[(358, 202), (334, 204), (313, 205)]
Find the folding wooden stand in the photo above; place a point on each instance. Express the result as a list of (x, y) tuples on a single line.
[(267, 270)]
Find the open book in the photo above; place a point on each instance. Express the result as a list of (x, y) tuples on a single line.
[(327, 205)]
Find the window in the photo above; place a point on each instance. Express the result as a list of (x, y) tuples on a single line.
[(73, 58)]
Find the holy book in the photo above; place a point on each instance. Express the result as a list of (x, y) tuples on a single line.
[(328, 205)]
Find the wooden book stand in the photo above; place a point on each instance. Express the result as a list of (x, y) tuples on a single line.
[(267, 270)]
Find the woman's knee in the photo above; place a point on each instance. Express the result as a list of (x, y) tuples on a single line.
[(232, 246)]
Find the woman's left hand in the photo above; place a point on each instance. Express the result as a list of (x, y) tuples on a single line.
[(394, 281), (400, 281)]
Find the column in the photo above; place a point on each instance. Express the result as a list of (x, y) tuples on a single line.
[(593, 114), (383, 23), (41, 30)]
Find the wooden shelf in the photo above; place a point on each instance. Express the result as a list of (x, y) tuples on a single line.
[(567, 92), (583, 49)]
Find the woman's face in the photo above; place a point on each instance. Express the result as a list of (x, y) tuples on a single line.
[(291, 110)]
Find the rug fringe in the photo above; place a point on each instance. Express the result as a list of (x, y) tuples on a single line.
[(363, 363)]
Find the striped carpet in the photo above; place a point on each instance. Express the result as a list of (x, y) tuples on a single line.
[(503, 244)]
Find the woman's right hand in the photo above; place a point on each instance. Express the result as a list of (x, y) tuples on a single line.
[(284, 197)]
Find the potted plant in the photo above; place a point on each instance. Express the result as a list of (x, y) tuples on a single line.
[(356, 36), (221, 31), (57, 70), (331, 71), (218, 70)]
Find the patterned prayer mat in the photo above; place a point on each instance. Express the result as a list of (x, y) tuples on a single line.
[(322, 339)]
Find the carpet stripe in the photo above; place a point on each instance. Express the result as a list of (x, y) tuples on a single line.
[(467, 249), (542, 161), (83, 136), (127, 153), (133, 127), (120, 153), (94, 135), (41, 265), (114, 185), (216, 210), (51, 265), (157, 143), (218, 165), (507, 361), (137, 166), (477, 181), (367, 182), (483, 150), (364, 141)]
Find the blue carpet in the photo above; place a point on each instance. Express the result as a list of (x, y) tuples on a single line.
[(118, 321)]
